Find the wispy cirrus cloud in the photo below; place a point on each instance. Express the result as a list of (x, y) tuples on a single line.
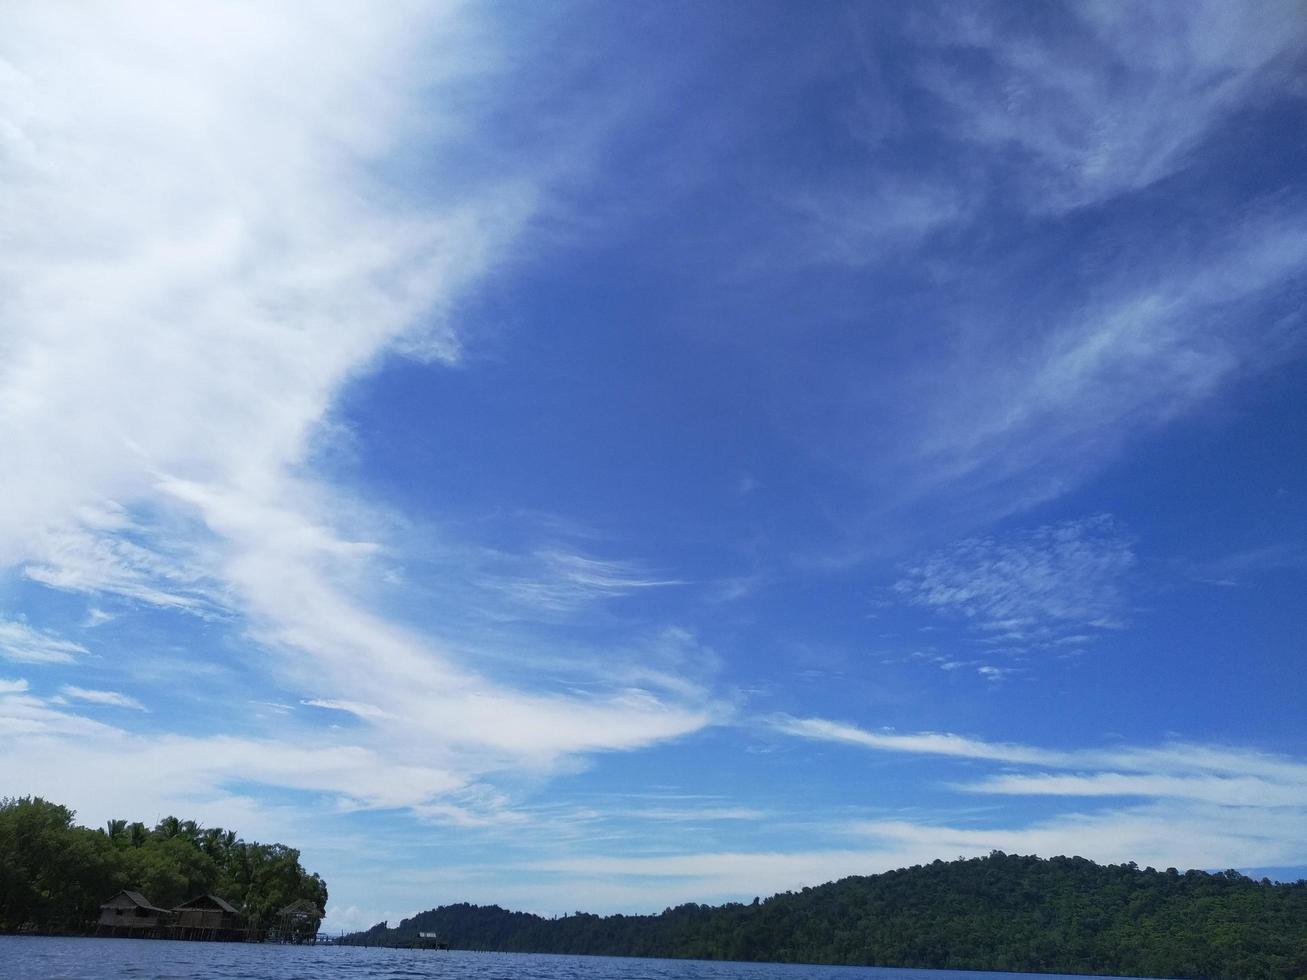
[(1042, 587), (113, 699), (1179, 804), (1178, 770), (22, 643), (1109, 103), (1035, 388), (859, 225), (701, 814), (1241, 567), (1116, 98), (555, 580), (161, 561), (1226, 788), (1012, 421), (925, 743)]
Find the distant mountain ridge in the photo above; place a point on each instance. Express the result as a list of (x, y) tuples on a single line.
[(1001, 912)]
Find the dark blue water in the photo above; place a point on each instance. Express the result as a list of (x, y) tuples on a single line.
[(45, 958)]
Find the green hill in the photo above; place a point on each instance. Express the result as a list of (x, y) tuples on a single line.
[(1003, 912)]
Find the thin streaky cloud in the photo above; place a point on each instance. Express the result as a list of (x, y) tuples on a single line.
[(1147, 346), (558, 581), (926, 743), (1229, 789), (21, 643), (113, 699), (1177, 759)]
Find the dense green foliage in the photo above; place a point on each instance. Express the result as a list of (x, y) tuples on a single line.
[(54, 874), (1003, 912)]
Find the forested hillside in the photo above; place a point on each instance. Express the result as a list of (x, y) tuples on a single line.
[(54, 874), (1003, 912)]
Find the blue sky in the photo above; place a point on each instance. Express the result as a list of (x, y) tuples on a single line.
[(610, 456)]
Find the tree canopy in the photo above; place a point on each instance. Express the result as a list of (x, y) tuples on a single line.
[(54, 874), (1002, 912)]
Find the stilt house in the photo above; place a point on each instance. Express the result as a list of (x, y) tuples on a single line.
[(208, 913), (133, 912), (298, 922)]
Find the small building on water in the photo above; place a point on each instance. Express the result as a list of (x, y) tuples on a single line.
[(209, 917), (131, 914), (297, 923)]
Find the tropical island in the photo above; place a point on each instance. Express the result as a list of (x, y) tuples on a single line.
[(1001, 912), (201, 882)]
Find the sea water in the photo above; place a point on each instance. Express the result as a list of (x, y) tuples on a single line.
[(48, 958)]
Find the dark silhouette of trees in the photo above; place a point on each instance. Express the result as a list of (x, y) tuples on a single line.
[(1002, 912)]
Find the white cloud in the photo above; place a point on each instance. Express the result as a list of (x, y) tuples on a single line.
[(1241, 567), (859, 226), (97, 617), (1177, 758), (926, 743), (1031, 587), (104, 551), (1195, 806), (23, 644), (12, 686), (356, 708), (1227, 789), (23, 715), (116, 770), (1009, 421), (1191, 836), (555, 580), (1117, 98), (351, 918), (112, 699), (1239, 785), (200, 252), (995, 674), (698, 814)]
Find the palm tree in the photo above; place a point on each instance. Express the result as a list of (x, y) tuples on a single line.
[(115, 830), (168, 828), (137, 833), (216, 842)]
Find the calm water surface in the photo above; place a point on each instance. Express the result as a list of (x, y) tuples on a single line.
[(45, 958)]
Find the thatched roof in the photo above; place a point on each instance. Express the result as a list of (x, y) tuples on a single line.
[(304, 907), (207, 902), (134, 898)]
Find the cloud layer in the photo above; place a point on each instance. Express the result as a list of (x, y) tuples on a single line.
[(404, 409), (201, 251)]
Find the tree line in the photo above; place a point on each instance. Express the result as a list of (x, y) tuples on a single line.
[(1002, 912), (54, 874)]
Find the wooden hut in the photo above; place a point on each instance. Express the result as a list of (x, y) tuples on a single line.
[(208, 917), (298, 922), (131, 914)]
